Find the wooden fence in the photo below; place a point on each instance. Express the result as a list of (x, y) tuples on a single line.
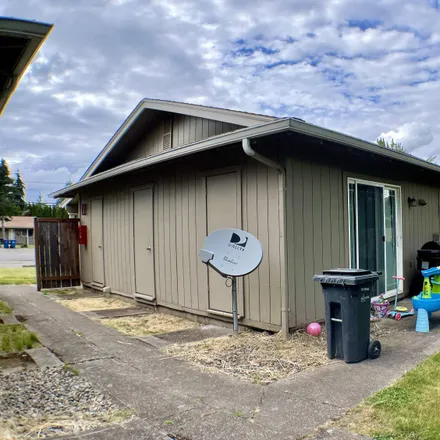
[(56, 253)]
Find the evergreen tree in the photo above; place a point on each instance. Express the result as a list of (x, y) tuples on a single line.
[(19, 193), (7, 206), (397, 146)]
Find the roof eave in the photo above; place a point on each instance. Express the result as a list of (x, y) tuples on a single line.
[(204, 145), (249, 132), (218, 114), (344, 139), (37, 32)]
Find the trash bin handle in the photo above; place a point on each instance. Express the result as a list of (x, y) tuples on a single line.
[(398, 278)]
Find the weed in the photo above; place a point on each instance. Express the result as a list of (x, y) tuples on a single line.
[(168, 422), (238, 413), (79, 334), (16, 338), (68, 367), (4, 308)]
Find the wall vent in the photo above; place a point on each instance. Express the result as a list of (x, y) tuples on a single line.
[(167, 131)]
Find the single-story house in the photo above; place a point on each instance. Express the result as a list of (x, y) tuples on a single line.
[(20, 229), (315, 198)]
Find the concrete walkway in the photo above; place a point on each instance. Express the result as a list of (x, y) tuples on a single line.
[(172, 397)]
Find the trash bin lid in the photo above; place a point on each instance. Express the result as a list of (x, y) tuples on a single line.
[(350, 277), (432, 245)]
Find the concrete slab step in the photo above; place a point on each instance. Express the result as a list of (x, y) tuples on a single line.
[(194, 334), (336, 434), (121, 313), (9, 319), (44, 357)]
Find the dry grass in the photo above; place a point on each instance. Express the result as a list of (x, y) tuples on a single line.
[(51, 426), (258, 357), (149, 324), (93, 303), (63, 291)]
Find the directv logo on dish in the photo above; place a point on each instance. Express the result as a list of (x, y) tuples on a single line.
[(235, 240)]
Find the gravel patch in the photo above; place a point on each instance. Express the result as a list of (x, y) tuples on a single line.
[(51, 401)]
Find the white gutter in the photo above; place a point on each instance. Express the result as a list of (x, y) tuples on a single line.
[(282, 228)]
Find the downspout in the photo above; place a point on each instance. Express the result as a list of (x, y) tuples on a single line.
[(282, 219)]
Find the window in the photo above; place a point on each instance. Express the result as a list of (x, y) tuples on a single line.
[(375, 230)]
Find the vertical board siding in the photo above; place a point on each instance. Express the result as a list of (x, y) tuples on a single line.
[(180, 230), (118, 242), (185, 130), (85, 254), (315, 234), (317, 229)]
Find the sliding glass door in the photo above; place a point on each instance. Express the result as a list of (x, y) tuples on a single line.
[(374, 230)]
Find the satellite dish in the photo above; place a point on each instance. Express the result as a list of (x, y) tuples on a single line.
[(232, 252)]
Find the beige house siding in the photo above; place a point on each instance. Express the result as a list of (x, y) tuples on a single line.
[(117, 228), (317, 229), (180, 221), (185, 129), (85, 253), (315, 234)]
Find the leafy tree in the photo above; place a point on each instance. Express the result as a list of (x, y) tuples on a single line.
[(19, 192), (7, 206), (397, 146)]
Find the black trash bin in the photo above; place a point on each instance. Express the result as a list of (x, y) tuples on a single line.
[(347, 295)]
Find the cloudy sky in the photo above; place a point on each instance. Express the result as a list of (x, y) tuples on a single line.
[(365, 68)]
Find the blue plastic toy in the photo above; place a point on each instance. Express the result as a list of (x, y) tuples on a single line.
[(399, 312), (428, 300)]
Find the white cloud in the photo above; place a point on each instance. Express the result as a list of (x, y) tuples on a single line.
[(412, 135), (364, 68)]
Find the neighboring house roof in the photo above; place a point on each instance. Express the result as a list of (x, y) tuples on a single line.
[(18, 222), (201, 111), (20, 41), (264, 129)]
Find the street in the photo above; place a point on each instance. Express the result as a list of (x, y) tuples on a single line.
[(17, 257)]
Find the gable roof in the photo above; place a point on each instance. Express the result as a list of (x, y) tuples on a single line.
[(244, 119), (20, 40), (264, 129), (18, 222)]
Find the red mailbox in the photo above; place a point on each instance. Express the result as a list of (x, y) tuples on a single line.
[(82, 234)]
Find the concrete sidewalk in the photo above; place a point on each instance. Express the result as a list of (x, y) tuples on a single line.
[(198, 405)]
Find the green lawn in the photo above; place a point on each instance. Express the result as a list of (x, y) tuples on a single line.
[(17, 275), (409, 409)]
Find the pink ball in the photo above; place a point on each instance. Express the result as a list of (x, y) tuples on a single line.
[(314, 329)]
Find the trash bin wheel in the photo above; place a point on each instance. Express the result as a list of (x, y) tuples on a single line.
[(398, 317), (374, 349)]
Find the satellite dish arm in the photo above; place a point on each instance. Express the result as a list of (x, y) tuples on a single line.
[(206, 257)]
